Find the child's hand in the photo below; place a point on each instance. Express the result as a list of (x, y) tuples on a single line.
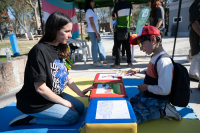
[(85, 91), (142, 87), (134, 71)]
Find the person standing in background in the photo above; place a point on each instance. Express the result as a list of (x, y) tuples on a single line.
[(123, 9), (157, 18), (93, 32), (39, 31), (194, 38), (123, 47)]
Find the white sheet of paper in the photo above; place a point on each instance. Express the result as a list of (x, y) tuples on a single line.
[(107, 77), (112, 109)]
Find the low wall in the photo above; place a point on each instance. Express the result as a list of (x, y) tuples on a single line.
[(12, 74)]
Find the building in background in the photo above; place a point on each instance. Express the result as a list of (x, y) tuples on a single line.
[(183, 20)]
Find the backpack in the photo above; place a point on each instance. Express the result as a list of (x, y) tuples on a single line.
[(180, 90)]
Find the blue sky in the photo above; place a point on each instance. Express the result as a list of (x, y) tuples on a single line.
[(10, 15)]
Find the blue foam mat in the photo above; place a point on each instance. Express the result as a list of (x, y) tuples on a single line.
[(131, 86), (187, 112), (10, 112)]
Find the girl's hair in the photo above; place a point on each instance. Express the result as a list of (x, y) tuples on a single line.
[(154, 5), (55, 23), (87, 4)]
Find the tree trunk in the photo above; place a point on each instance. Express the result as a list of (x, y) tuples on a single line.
[(17, 19), (36, 17)]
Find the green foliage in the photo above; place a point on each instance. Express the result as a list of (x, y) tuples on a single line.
[(3, 5)]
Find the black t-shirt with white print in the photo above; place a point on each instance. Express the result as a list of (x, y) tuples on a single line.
[(43, 64)]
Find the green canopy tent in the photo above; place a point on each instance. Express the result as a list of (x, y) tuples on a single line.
[(80, 4)]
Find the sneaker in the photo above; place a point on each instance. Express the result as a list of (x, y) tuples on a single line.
[(97, 64), (172, 112), (194, 77), (22, 119), (104, 62)]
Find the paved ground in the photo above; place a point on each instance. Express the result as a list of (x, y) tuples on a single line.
[(89, 71)]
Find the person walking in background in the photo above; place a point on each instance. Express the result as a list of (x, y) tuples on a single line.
[(157, 18), (93, 32), (123, 9), (45, 78), (194, 38)]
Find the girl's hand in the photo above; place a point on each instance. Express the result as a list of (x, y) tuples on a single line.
[(97, 36), (134, 71), (70, 105), (142, 87), (82, 94)]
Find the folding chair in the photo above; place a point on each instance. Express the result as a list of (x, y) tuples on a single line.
[(81, 47)]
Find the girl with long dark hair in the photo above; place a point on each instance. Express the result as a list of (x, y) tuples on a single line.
[(41, 99)]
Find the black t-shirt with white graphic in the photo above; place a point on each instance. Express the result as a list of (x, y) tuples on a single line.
[(43, 64)]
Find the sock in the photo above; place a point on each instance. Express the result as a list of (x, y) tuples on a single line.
[(162, 112)]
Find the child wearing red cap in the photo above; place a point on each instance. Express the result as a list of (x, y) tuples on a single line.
[(153, 102)]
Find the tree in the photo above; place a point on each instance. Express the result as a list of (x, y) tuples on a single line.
[(20, 10), (33, 4), (82, 16), (103, 13), (3, 6)]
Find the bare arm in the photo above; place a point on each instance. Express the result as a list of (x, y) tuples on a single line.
[(46, 92), (73, 86), (196, 27), (93, 27), (159, 23)]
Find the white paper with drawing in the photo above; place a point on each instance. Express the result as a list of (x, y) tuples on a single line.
[(112, 109)]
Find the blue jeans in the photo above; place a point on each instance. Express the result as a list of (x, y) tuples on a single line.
[(146, 108), (97, 47), (59, 114)]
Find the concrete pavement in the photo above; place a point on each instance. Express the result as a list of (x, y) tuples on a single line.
[(89, 71)]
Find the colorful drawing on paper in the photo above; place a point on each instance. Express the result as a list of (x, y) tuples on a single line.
[(107, 77), (112, 109), (108, 89), (122, 73)]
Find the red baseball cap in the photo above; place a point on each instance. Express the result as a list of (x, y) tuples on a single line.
[(145, 30)]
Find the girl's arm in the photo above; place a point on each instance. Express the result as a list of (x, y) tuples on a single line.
[(73, 86), (48, 94), (159, 23), (93, 27), (196, 27)]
